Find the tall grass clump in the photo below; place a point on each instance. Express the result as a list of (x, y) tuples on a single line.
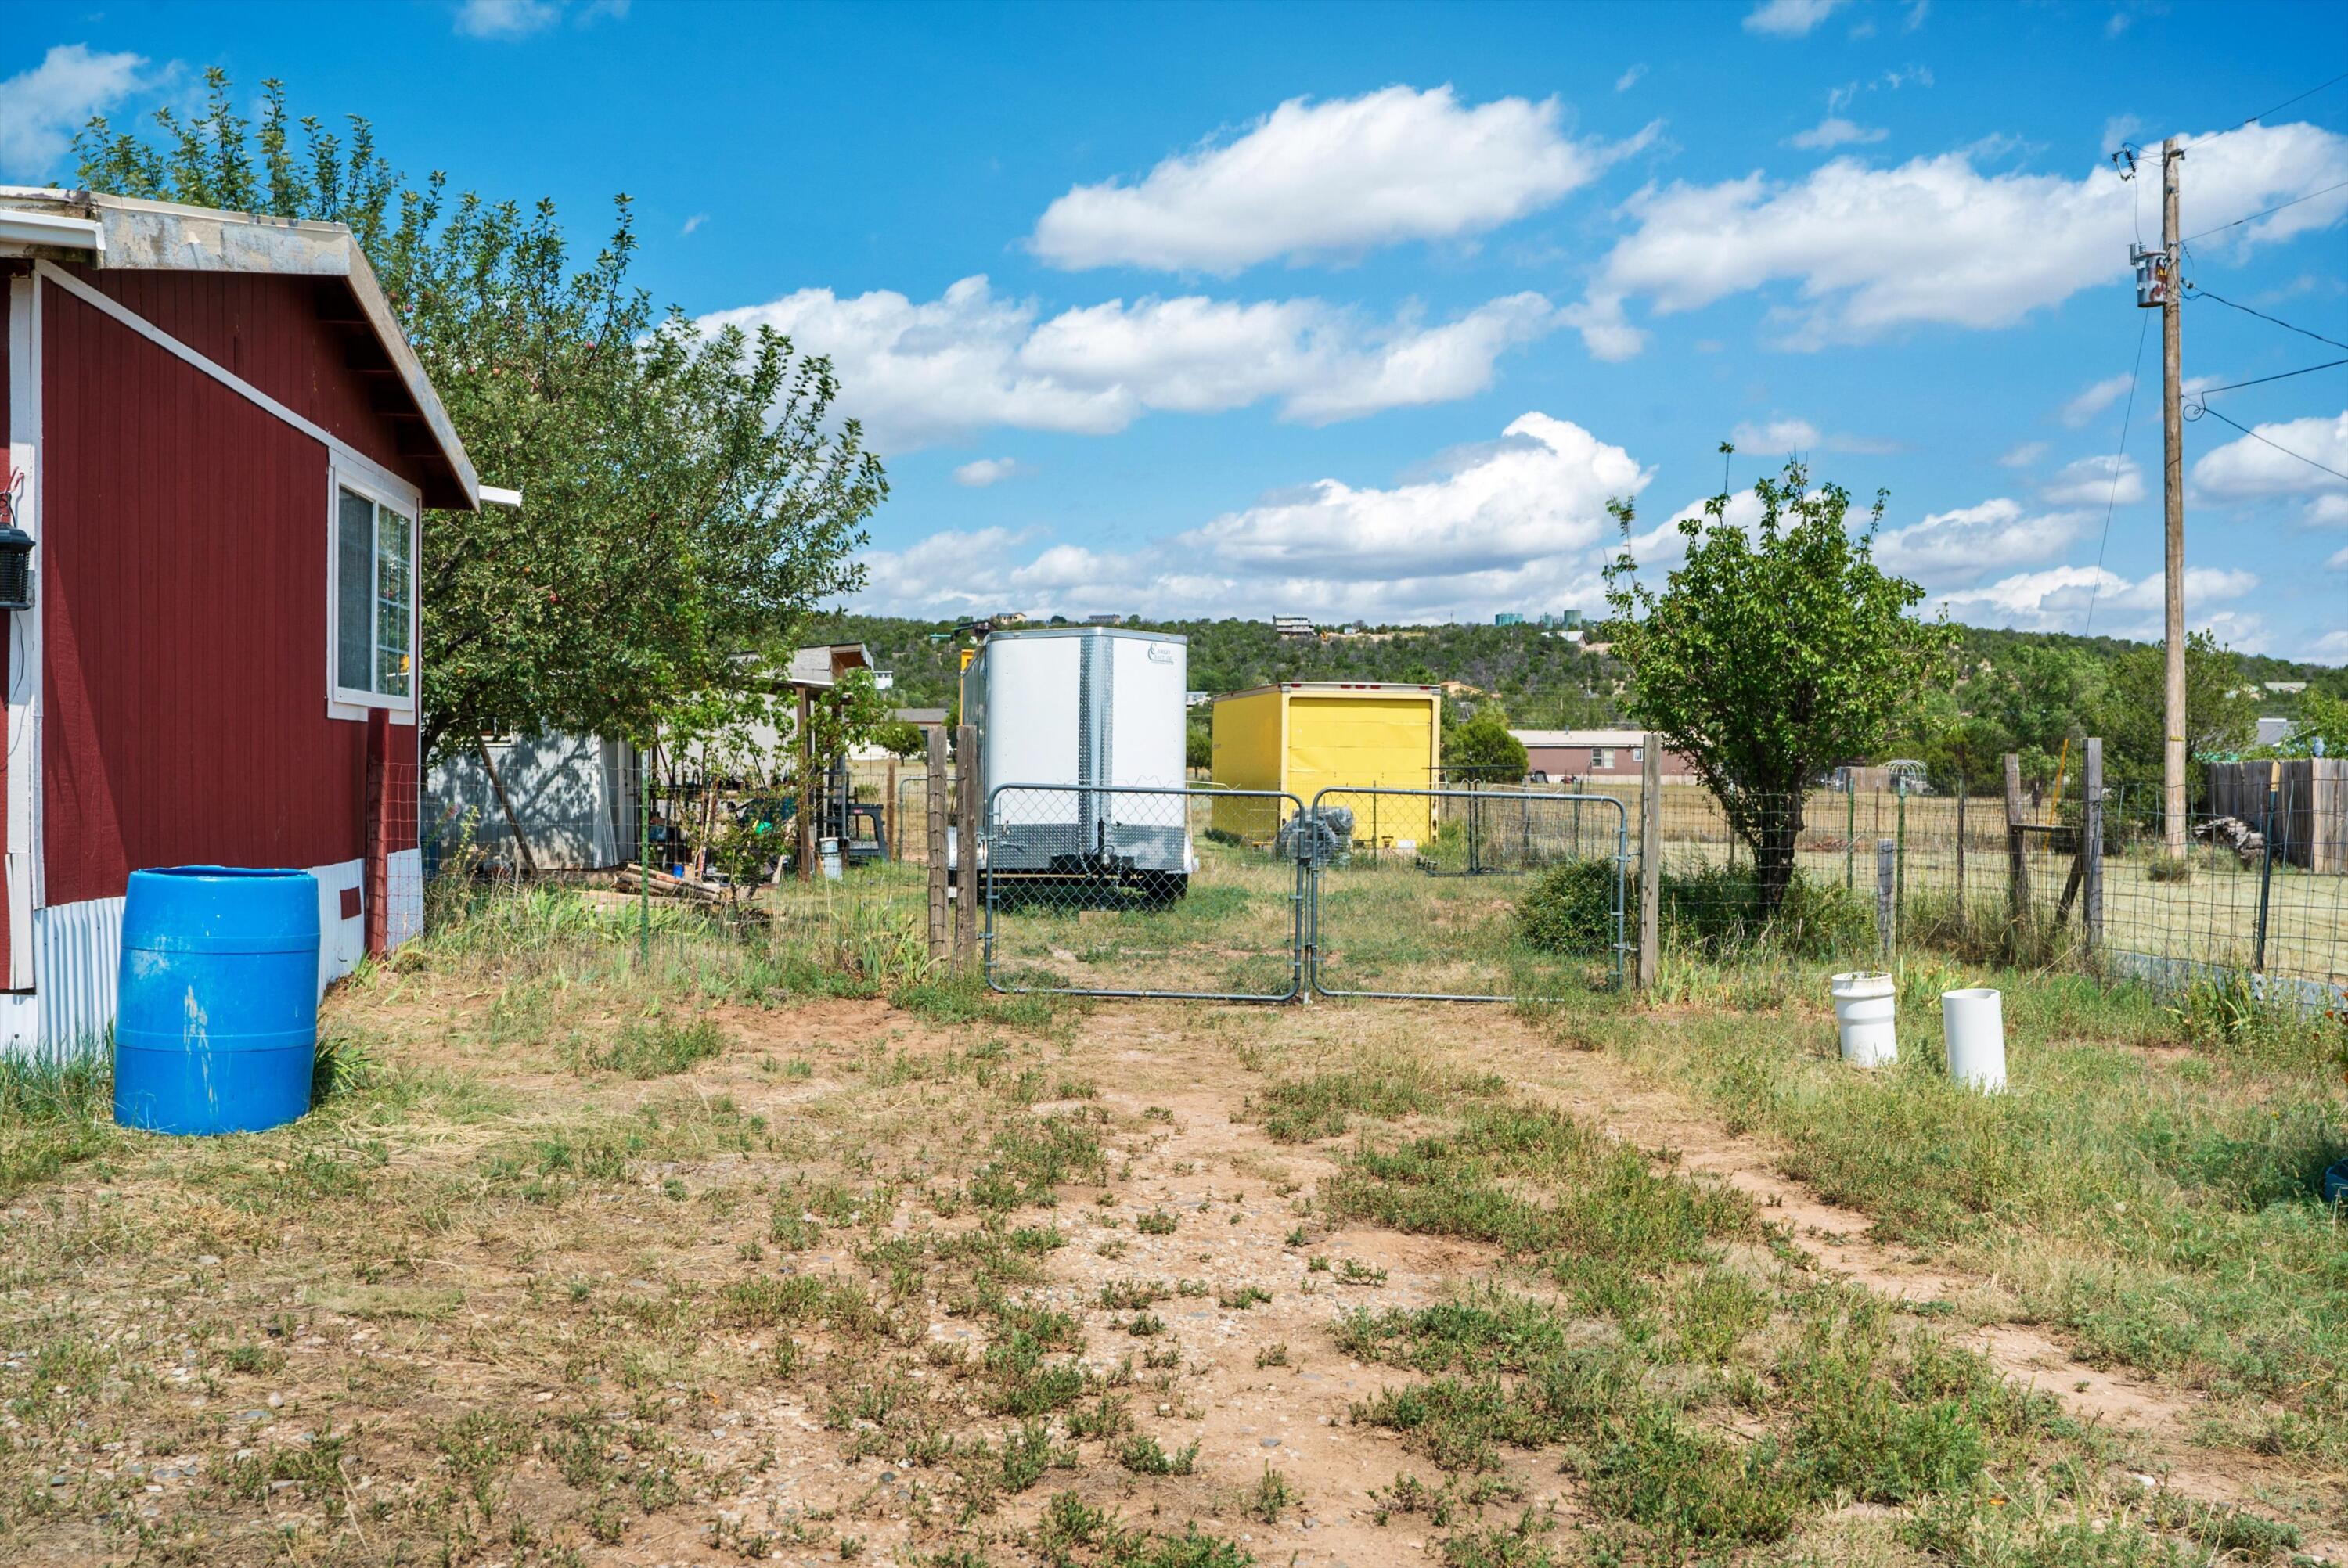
[(1714, 909), (54, 1110)]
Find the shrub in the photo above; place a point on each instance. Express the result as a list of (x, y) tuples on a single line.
[(1569, 908)]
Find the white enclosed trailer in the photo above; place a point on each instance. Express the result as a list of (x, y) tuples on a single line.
[(1089, 717)]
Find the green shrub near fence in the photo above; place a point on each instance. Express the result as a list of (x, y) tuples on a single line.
[(1716, 909)]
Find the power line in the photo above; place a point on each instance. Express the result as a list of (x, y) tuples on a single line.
[(2267, 213), (2279, 375), (2199, 292), (2286, 103), (2284, 450), (2119, 469)]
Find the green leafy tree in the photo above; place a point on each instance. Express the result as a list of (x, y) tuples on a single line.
[(1483, 750), (2220, 717), (2321, 717), (1768, 657), (684, 493)]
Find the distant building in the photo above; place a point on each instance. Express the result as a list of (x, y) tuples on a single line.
[(2286, 688), (1011, 618), (1292, 625), (1197, 698), (1106, 619), (1508, 618), (1570, 620), (1594, 754), (2274, 731)]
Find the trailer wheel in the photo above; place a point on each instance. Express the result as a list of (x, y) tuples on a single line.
[(1160, 889)]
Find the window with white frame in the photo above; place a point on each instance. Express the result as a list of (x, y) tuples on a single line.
[(373, 600)]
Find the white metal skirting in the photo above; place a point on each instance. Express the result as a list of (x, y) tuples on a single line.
[(77, 954)]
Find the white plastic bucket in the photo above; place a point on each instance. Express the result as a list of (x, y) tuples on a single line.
[(1974, 1022), (827, 851), (1865, 1011)]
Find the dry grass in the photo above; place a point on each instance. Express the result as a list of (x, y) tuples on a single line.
[(784, 1247)]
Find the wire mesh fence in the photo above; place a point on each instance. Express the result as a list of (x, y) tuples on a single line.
[(1464, 894), (1121, 892), (1492, 890)]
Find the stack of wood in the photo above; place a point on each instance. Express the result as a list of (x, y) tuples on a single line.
[(2248, 843), (632, 876)]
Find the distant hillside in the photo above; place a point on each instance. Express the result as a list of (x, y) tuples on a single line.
[(1541, 679)]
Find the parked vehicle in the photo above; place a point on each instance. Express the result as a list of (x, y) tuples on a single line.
[(1083, 715)]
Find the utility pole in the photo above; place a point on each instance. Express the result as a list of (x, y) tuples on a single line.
[(2172, 480)]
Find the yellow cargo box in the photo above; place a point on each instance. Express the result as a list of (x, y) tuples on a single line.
[(1305, 736)]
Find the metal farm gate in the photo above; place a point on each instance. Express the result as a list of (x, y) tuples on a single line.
[(1221, 894)]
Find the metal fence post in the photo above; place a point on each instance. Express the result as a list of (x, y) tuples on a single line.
[(1850, 829), (1961, 847), (1900, 859), (645, 857), (1651, 859), (2266, 866), (2017, 853), (1886, 910), (934, 787), (966, 833), (2091, 913)]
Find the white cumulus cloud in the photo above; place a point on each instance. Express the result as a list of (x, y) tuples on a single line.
[(1515, 520), (919, 372), (2058, 600), (1836, 131), (1954, 548), (2250, 467), (2114, 480), (2095, 399), (987, 471), (1333, 177), (1866, 251), (1789, 18), (42, 106)]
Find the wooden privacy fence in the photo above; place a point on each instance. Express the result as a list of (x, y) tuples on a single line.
[(2310, 828)]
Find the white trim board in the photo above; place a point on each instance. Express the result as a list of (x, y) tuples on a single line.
[(23, 865), (343, 450)]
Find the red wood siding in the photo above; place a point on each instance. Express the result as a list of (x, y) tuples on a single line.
[(7, 905), (265, 329), (183, 599)]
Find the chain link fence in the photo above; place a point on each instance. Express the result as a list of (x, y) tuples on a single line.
[(1164, 891), (1464, 894)]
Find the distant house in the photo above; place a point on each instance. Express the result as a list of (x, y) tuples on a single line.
[(2274, 731), (1594, 754), (223, 446), (1292, 625), (1105, 620)]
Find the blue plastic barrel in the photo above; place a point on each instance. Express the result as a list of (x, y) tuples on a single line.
[(217, 1026)]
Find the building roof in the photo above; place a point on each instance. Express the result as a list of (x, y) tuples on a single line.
[(824, 665), (1351, 688), (1530, 738), (124, 233)]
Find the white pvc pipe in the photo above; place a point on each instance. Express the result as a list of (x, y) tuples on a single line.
[(1866, 1009), (1974, 1023)]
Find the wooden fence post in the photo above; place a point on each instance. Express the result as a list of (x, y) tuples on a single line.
[(935, 791), (1887, 908), (967, 830), (2017, 849), (1651, 859)]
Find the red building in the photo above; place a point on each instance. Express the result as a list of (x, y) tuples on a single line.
[(219, 443), (1559, 754)]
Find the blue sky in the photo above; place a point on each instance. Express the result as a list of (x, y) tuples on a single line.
[(1366, 310)]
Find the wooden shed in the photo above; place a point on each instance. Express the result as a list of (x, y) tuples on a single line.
[(221, 447)]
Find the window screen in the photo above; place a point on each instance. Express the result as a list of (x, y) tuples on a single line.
[(354, 598), (392, 577)]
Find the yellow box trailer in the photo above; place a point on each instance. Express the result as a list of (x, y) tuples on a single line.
[(1305, 736)]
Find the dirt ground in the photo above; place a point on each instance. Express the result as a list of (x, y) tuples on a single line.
[(459, 1346)]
